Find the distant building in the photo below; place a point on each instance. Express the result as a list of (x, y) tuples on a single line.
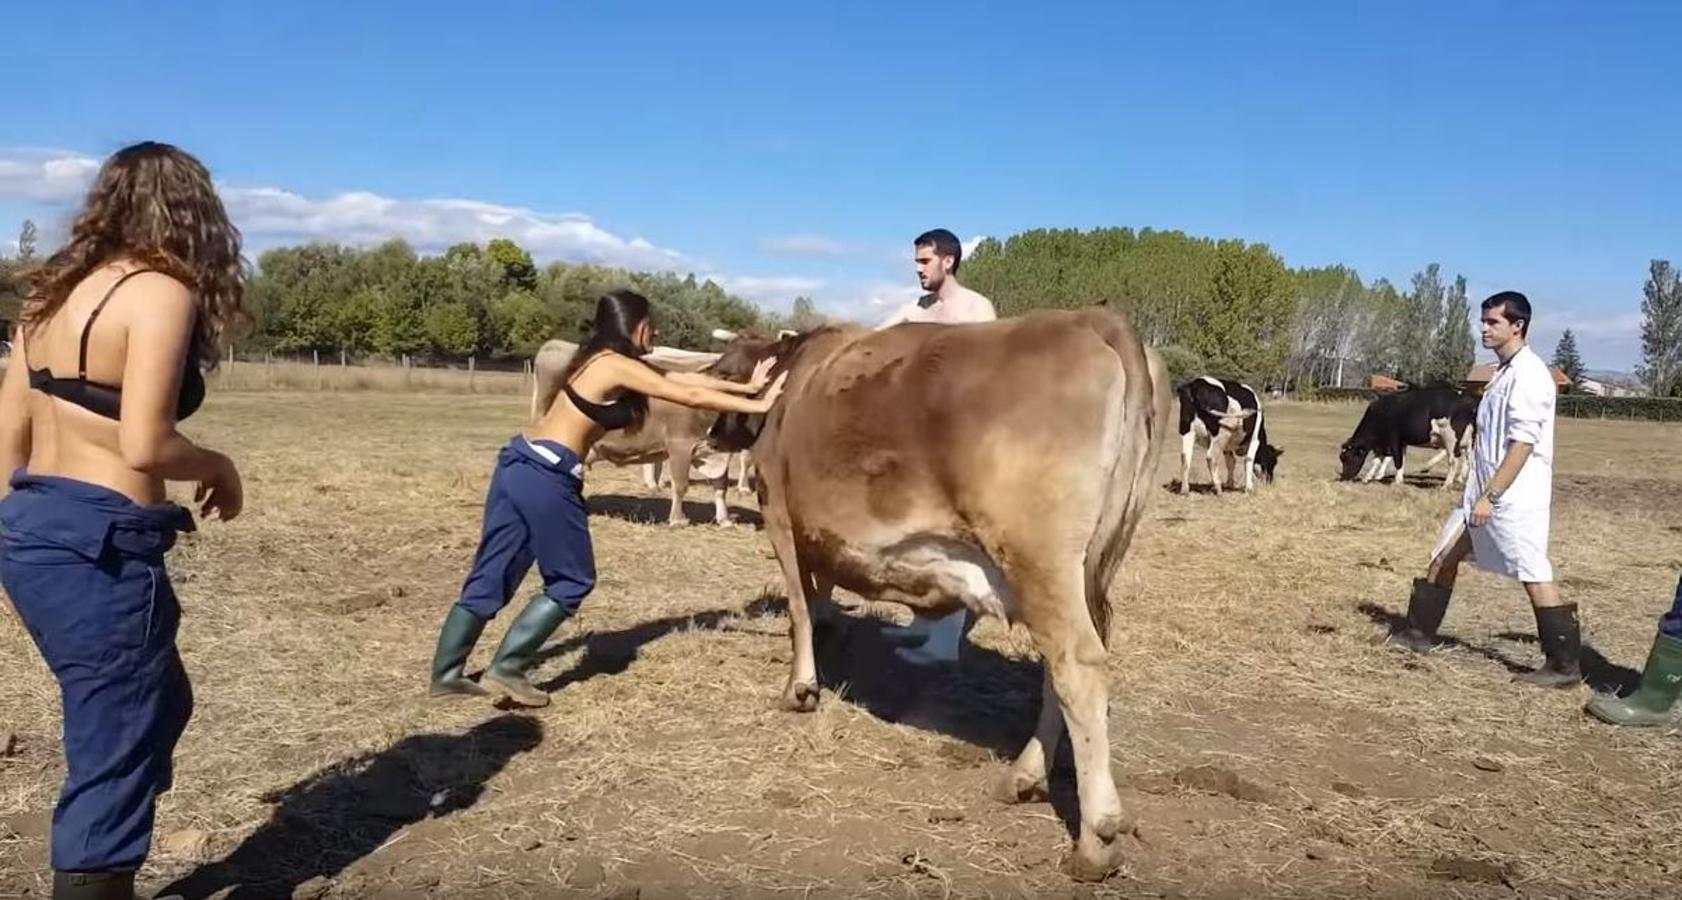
[(1478, 377), (1610, 389)]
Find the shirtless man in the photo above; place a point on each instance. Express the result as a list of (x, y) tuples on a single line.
[(938, 254), (925, 641)]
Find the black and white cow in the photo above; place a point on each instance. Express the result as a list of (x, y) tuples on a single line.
[(1438, 418), (1228, 416)]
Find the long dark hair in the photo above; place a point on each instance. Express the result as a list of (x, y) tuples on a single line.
[(618, 313), (156, 205)]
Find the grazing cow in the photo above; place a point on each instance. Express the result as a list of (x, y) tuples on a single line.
[(1434, 417), (999, 466), (1228, 416), (671, 433)]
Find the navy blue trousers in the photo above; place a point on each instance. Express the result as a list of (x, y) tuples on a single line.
[(1671, 622), (534, 512), (84, 567)]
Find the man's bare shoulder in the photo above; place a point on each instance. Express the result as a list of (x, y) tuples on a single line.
[(975, 308)]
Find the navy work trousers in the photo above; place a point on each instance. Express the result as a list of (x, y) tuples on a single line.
[(534, 511), (84, 567)]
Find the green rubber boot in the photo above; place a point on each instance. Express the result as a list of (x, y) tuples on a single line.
[(1661, 683), (507, 672), (455, 641)]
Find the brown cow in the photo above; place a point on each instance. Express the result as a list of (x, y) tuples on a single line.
[(1000, 466), (672, 433)]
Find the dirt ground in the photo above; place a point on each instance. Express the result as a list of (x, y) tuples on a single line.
[(1267, 745)]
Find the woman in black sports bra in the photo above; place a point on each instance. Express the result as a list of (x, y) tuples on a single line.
[(534, 509), (115, 332)]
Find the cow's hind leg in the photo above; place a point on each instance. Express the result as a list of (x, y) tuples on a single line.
[(1055, 612), (677, 466), (1188, 447), (1026, 780)]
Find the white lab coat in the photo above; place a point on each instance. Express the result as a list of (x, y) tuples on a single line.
[(1518, 405)]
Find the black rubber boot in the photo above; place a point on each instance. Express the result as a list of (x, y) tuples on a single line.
[(1426, 608), (507, 672), (93, 885), (1661, 683), (1562, 648), (455, 641)]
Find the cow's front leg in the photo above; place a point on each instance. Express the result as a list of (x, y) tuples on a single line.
[(1026, 780), (801, 692), (651, 475), (721, 509), (1401, 465)]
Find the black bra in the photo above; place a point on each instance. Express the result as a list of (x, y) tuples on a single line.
[(104, 399), (610, 416)]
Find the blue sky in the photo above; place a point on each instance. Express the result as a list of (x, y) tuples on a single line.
[(791, 148)]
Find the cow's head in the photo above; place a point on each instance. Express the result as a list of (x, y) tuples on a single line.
[(735, 432), (1267, 459), (1352, 455)]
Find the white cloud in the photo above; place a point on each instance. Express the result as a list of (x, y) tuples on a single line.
[(360, 217), (45, 176), (807, 245), (367, 218), (970, 245), (776, 291)]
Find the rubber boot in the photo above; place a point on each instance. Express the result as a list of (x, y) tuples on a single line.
[(507, 672), (93, 885), (1661, 683), (1426, 607), (1562, 648), (455, 641)]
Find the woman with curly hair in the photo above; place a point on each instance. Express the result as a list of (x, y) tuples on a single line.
[(117, 329)]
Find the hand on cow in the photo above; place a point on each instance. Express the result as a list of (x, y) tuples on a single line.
[(761, 373), (220, 495), (776, 390), (1481, 511)]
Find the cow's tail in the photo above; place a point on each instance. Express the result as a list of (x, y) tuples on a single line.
[(1137, 427)]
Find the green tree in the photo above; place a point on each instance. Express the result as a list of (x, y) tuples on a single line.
[(1661, 330), (804, 315), (1421, 321), (517, 270), (1568, 360), (1455, 351)]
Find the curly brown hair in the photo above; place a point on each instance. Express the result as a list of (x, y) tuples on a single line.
[(154, 204)]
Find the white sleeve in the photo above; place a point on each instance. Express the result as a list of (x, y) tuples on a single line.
[(1530, 405)]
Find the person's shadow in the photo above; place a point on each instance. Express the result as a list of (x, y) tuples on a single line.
[(342, 813)]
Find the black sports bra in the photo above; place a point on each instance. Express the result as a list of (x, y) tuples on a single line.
[(618, 414), (104, 399)]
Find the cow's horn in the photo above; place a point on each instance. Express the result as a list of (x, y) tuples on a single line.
[(724, 334)]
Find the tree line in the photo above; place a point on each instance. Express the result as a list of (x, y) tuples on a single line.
[(1226, 307)]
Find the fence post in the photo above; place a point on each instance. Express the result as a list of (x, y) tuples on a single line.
[(470, 361), (317, 369), (268, 369)]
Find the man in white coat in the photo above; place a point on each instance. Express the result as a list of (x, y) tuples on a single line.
[(1502, 521)]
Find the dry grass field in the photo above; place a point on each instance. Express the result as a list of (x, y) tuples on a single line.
[(1267, 745)]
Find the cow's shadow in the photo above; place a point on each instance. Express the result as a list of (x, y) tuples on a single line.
[(654, 510), (1599, 673), (987, 700), (344, 812)]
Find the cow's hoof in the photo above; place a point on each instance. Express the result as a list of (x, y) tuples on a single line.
[(1093, 860), (802, 697), (1013, 787), (677, 523)]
